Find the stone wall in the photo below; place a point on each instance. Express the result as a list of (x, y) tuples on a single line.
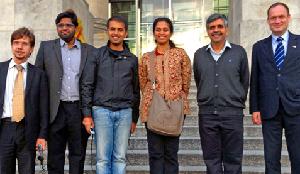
[(39, 16), (99, 9)]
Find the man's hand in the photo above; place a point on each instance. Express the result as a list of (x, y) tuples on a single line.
[(133, 127), (256, 118), (88, 123), (42, 142)]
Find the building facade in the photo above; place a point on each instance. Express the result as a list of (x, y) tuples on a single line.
[(247, 20)]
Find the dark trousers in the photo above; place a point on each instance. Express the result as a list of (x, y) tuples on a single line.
[(162, 151), (13, 146), (222, 142), (272, 134), (67, 129)]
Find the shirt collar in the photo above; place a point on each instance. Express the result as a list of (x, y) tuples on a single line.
[(12, 63), (227, 45), (63, 43), (285, 37)]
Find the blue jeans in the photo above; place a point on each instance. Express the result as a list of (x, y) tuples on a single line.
[(112, 131)]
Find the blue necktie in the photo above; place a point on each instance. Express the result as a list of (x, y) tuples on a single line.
[(279, 53)]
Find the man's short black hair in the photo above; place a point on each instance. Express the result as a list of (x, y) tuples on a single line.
[(67, 14), (118, 19)]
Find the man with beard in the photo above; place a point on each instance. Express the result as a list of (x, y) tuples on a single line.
[(63, 60), (222, 79), (111, 93)]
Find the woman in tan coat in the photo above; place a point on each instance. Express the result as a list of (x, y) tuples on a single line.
[(172, 81)]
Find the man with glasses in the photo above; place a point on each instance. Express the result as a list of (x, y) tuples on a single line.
[(275, 89), (63, 60)]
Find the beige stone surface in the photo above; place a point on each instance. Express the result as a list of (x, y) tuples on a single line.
[(99, 8), (7, 13), (5, 50), (40, 16), (248, 21)]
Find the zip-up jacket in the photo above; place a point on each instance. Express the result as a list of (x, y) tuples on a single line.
[(111, 81)]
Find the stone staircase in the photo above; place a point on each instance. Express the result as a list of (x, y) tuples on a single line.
[(190, 154)]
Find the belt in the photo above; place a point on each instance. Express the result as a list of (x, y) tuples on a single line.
[(70, 102), (7, 120)]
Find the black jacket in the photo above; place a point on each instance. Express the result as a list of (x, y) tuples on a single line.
[(111, 82)]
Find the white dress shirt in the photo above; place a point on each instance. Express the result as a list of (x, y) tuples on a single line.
[(9, 88)]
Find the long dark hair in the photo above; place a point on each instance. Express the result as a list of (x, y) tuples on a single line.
[(169, 22)]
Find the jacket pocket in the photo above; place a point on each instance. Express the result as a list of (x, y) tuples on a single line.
[(297, 92)]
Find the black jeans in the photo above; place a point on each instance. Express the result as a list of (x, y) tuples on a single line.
[(163, 158), (67, 129), (13, 146), (222, 142)]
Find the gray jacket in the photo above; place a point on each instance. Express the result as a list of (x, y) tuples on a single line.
[(222, 85), (50, 60)]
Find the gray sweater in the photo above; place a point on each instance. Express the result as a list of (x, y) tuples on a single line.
[(222, 85)]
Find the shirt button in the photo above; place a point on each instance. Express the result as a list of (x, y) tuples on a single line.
[(69, 59), (58, 92), (217, 74), (278, 75), (69, 77), (216, 86), (277, 89)]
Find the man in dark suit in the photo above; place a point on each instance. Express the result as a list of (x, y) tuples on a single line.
[(23, 107), (275, 89), (63, 60)]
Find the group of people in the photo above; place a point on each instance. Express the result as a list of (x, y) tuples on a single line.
[(74, 88)]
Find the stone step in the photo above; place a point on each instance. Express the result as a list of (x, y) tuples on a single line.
[(193, 131), (193, 143), (194, 158), (202, 170), (191, 158), (182, 170)]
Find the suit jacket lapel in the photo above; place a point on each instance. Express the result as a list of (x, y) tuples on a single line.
[(83, 58), (3, 74), (28, 78), (291, 46), (269, 51), (57, 50)]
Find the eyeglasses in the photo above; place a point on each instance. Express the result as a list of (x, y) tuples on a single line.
[(60, 25)]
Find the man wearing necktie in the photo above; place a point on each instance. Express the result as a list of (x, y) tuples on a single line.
[(23, 107), (275, 90)]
